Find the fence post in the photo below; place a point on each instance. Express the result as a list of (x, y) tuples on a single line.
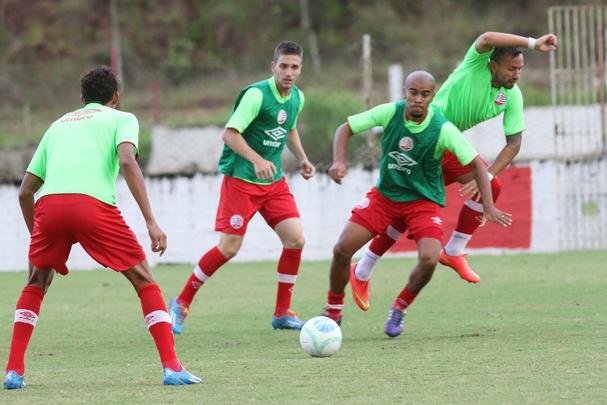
[(395, 82), (367, 88)]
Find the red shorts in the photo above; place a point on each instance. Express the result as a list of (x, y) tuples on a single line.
[(60, 220), (240, 200), (422, 217), (452, 168)]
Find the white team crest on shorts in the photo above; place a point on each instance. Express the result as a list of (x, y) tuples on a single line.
[(362, 204), (236, 221), (282, 117), (405, 144), (500, 99)]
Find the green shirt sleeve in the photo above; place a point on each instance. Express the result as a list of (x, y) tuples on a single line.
[(378, 116), (247, 110), (453, 140), (37, 165), (128, 131), (474, 59), (514, 120), (302, 101)]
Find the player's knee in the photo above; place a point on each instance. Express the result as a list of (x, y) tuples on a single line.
[(229, 245), (295, 243), (41, 279), (428, 260), (229, 250), (341, 252)]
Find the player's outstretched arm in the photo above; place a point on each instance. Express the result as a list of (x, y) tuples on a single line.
[(294, 142), (264, 169), (491, 213), (29, 185), (339, 169), (134, 179), (489, 40)]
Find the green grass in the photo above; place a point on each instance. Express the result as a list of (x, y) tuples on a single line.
[(533, 331)]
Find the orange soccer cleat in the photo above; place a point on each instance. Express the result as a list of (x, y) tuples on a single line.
[(360, 289), (460, 265)]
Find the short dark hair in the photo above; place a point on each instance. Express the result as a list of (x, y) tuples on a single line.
[(98, 85), (499, 53), (287, 48)]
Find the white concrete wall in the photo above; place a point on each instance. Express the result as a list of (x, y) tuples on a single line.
[(185, 208)]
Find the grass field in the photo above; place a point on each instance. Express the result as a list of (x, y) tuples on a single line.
[(533, 331)]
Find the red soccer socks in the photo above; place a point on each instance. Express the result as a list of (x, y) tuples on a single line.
[(288, 267), (158, 322), (26, 316), (207, 266)]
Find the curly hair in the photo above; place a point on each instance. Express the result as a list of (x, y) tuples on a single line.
[(98, 85)]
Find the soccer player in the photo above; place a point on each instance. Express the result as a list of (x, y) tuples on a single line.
[(410, 188), (75, 168), (263, 119), (482, 87)]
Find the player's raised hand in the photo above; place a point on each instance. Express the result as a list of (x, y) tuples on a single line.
[(338, 171), (264, 169), (307, 169), (546, 43), (158, 238), (498, 217)]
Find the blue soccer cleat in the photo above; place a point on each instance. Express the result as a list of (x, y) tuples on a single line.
[(289, 321), (394, 324), (178, 313), (13, 381), (183, 377)]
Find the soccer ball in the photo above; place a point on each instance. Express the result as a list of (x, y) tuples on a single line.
[(320, 337)]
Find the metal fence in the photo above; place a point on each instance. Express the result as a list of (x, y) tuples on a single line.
[(578, 83)]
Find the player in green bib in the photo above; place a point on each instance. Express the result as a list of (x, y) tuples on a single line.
[(483, 86), (410, 188), (74, 172), (263, 121)]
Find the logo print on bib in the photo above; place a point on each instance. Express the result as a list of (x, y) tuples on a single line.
[(282, 117), (405, 144), (236, 221), (362, 204), (500, 99)]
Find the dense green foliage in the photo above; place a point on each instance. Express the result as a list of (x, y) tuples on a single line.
[(532, 332), (198, 54)]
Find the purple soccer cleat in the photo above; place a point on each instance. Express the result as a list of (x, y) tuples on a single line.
[(395, 322)]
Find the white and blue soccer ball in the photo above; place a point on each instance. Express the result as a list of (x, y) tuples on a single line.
[(320, 337)]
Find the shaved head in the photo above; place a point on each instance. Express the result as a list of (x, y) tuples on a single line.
[(419, 92), (419, 77)]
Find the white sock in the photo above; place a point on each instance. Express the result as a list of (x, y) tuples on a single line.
[(457, 243), (364, 268)]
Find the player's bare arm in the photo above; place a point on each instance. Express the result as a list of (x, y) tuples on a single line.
[(29, 185), (504, 158), (134, 179), (264, 169), (489, 40), (294, 143), (492, 214), (339, 169)]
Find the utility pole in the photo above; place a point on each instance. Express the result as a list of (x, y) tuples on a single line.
[(367, 88), (306, 25), (116, 54)]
